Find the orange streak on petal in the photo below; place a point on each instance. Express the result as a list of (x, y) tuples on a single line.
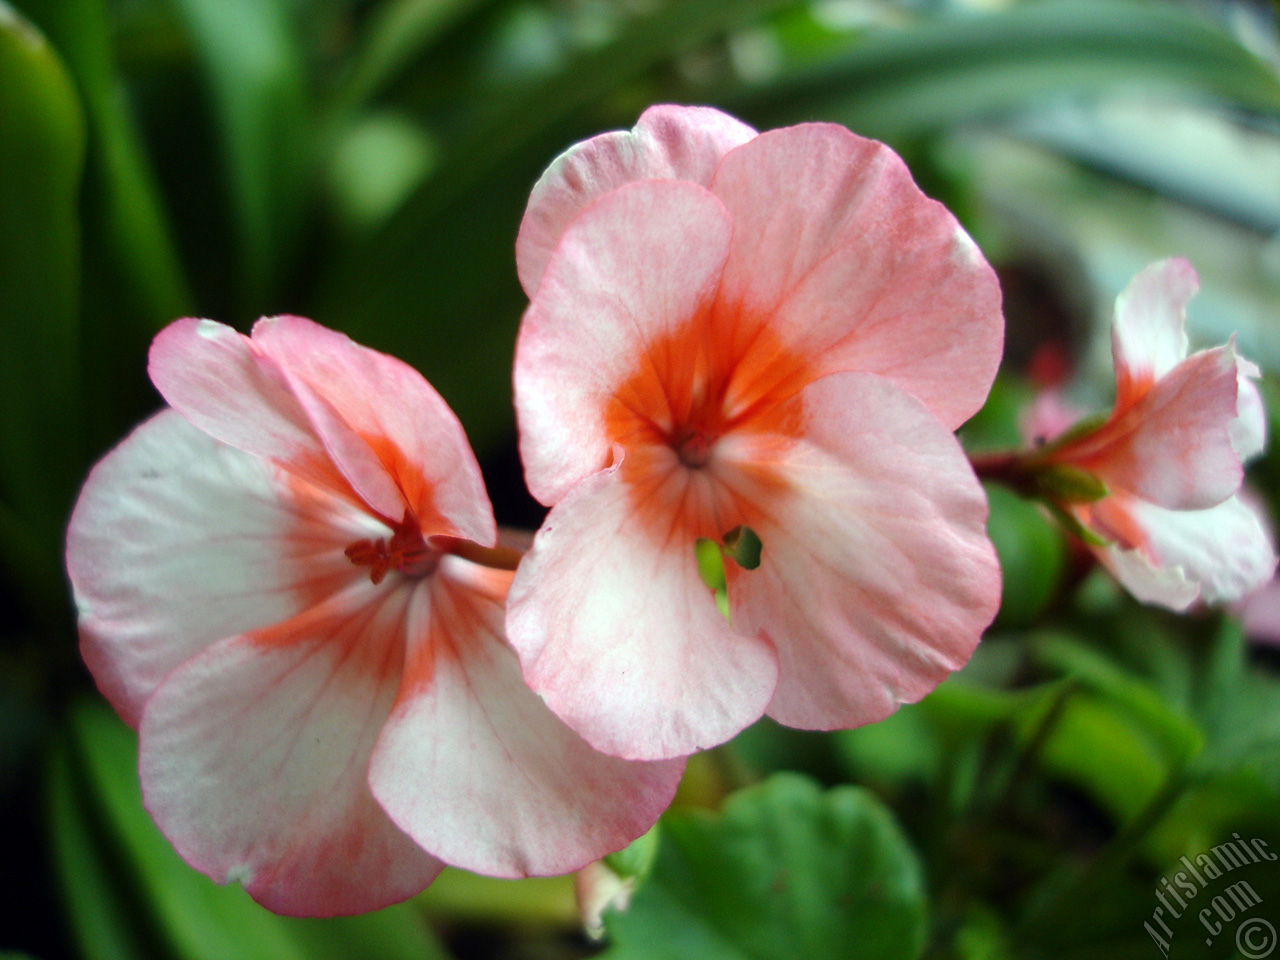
[(408, 477), (314, 543), (1111, 518), (466, 600), (724, 373), (370, 634)]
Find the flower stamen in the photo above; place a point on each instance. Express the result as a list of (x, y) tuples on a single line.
[(694, 448), (406, 552)]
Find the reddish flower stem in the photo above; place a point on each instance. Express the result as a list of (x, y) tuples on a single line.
[(1009, 468), (496, 558)]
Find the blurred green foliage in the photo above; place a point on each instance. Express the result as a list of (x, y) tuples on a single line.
[(366, 163)]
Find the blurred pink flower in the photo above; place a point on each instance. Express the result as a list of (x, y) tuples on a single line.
[(778, 331), (273, 586), (1260, 613), (1170, 455)]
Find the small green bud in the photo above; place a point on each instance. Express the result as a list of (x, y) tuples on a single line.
[(744, 546), (1067, 484)]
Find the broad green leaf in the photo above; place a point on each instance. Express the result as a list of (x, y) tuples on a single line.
[(41, 441), (254, 66), (784, 871), (116, 854), (898, 83)]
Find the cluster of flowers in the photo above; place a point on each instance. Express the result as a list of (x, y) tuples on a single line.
[(292, 584)]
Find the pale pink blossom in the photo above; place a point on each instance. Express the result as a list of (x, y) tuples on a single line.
[(778, 331), (1259, 613), (274, 588), (1171, 453)]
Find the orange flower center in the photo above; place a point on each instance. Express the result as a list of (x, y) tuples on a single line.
[(698, 400), (405, 552)]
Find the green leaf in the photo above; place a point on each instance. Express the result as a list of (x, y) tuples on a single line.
[(1240, 710), (96, 902), (785, 871), (254, 65), (900, 83), (41, 438), (375, 165), (112, 858), (136, 235), (133, 281), (1100, 748), (920, 740), (1178, 736), (636, 858)]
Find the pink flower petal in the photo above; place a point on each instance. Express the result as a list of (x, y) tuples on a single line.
[(855, 269), (1048, 416), (1149, 336), (876, 578), (1174, 445), (1147, 581), (392, 412), (1260, 613), (1226, 549), (667, 143), (178, 541), (561, 804), (617, 633), (254, 756), (640, 264), (1249, 429), (216, 378)]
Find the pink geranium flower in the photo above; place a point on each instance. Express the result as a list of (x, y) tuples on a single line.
[(276, 586), (778, 331), (1172, 526)]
